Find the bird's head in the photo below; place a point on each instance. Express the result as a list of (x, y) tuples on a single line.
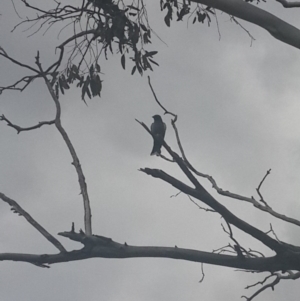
[(157, 118)]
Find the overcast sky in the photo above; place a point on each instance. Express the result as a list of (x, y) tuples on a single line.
[(238, 115)]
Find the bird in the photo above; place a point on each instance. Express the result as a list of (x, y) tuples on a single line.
[(158, 129)]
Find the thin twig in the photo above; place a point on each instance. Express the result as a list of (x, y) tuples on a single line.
[(159, 103), (20, 129), (259, 186)]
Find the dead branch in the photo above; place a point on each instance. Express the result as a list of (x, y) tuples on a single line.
[(21, 129), (16, 208), (220, 191), (258, 189), (76, 162), (199, 207), (202, 195), (5, 55), (103, 247), (229, 194), (26, 80), (158, 102)]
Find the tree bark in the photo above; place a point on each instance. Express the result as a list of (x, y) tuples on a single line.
[(278, 28)]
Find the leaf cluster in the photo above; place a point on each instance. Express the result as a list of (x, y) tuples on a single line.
[(183, 9), (90, 84), (127, 27)]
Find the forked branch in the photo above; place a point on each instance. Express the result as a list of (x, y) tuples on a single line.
[(21, 129)]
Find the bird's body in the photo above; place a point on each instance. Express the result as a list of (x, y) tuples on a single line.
[(158, 129)]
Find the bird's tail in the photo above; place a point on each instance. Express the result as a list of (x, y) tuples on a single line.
[(156, 148)]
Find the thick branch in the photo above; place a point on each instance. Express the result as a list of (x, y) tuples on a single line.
[(278, 28), (18, 209), (289, 4), (201, 194), (206, 198), (264, 207), (107, 248)]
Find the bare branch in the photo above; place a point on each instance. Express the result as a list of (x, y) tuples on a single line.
[(5, 55), (199, 207), (202, 195), (247, 31), (229, 194), (202, 271), (16, 208), (103, 247), (156, 99), (76, 162), (258, 189), (20, 129), (26, 80), (269, 285)]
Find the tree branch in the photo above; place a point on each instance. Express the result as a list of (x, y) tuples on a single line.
[(278, 28), (102, 247), (252, 200), (20, 129), (5, 55), (287, 4), (16, 208), (205, 197), (76, 162)]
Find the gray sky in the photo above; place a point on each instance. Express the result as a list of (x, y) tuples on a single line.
[(238, 109)]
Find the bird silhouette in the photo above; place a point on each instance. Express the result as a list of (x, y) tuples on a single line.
[(158, 129)]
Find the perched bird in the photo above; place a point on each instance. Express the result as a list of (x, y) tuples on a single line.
[(158, 129)]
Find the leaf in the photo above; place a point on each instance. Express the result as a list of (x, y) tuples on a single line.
[(150, 53), (81, 82), (96, 85), (133, 70), (91, 70), (61, 86), (85, 88), (167, 20), (143, 27), (208, 17), (139, 68), (201, 17), (161, 5), (145, 38), (56, 90), (99, 84), (88, 92), (74, 69), (153, 62), (209, 9), (195, 19), (64, 83), (123, 61), (136, 34)]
